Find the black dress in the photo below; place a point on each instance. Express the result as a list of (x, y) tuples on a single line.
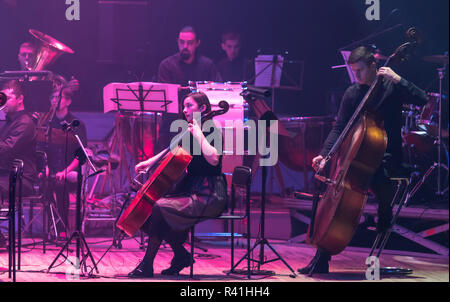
[(200, 195)]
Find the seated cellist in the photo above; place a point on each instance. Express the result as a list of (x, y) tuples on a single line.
[(200, 195), (395, 91)]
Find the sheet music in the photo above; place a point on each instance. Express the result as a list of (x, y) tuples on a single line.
[(157, 97), (265, 75), (346, 54)]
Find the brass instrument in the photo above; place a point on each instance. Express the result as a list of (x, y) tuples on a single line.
[(48, 50)]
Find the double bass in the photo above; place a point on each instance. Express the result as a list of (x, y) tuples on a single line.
[(174, 160), (351, 163)]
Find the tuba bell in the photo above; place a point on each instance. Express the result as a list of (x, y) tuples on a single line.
[(47, 51)]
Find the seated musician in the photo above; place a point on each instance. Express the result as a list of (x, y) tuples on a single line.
[(187, 64), (200, 195), (234, 67), (61, 148), (17, 141), (395, 91)]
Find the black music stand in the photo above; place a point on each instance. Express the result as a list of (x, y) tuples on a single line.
[(272, 71), (276, 71), (36, 92), (263, 240), (81, 243), (141, 97)]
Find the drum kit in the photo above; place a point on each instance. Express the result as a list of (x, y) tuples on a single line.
[(425, 137)]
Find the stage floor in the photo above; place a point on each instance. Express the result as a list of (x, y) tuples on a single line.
[(211, 264)]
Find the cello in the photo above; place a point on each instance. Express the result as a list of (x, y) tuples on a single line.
[(351, 163), (174, 161)]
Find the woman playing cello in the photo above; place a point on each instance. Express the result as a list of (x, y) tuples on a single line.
[(200, 195)]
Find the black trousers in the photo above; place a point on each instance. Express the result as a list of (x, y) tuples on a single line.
[(381, 185)]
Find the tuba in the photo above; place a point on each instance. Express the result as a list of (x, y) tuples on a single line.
[(47, 51)]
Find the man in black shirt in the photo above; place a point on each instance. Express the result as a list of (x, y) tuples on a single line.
[(17, 141), (180, 68), (187, 64), (61, 149), (395, 92), (234, 67)]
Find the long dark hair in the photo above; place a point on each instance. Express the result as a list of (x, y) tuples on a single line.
[(201, 99)]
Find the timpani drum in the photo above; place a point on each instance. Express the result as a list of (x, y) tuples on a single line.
[(231, 93)]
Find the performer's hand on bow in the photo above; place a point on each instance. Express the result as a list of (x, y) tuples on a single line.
[(389, 74), (60, 176), (195, 130), (318, 162), (141, 167)]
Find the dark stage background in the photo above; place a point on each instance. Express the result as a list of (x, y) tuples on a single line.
[(123, 41)]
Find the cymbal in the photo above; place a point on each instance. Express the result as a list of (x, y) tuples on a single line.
[(440, 59)]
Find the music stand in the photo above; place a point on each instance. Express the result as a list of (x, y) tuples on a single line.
[(141, 98), (78, 234), (251, 96), (272, 71), (36, 92)]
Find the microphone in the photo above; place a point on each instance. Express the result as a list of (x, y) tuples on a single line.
[(66, 126)]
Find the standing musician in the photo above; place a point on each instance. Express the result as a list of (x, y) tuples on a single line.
[(199, 196), (394, 92), (17, 141)]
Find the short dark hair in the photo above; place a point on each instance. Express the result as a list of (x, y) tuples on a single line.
[(67, 92), (231, 35), (15, 86), (363, 54), (29, 44), (189, 29)]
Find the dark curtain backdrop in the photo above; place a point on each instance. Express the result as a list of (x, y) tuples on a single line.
[(123, 41)]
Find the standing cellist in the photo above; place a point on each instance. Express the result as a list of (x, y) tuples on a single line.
[(394, 92)]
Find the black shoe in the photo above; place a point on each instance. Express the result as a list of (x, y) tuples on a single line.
[(317, 265), (178, 264), (384, 219), (143, 270)]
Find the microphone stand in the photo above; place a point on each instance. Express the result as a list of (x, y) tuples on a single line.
[(78, 234)]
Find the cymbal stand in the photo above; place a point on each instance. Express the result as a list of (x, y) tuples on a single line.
[(438, 142), (441, 73)]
